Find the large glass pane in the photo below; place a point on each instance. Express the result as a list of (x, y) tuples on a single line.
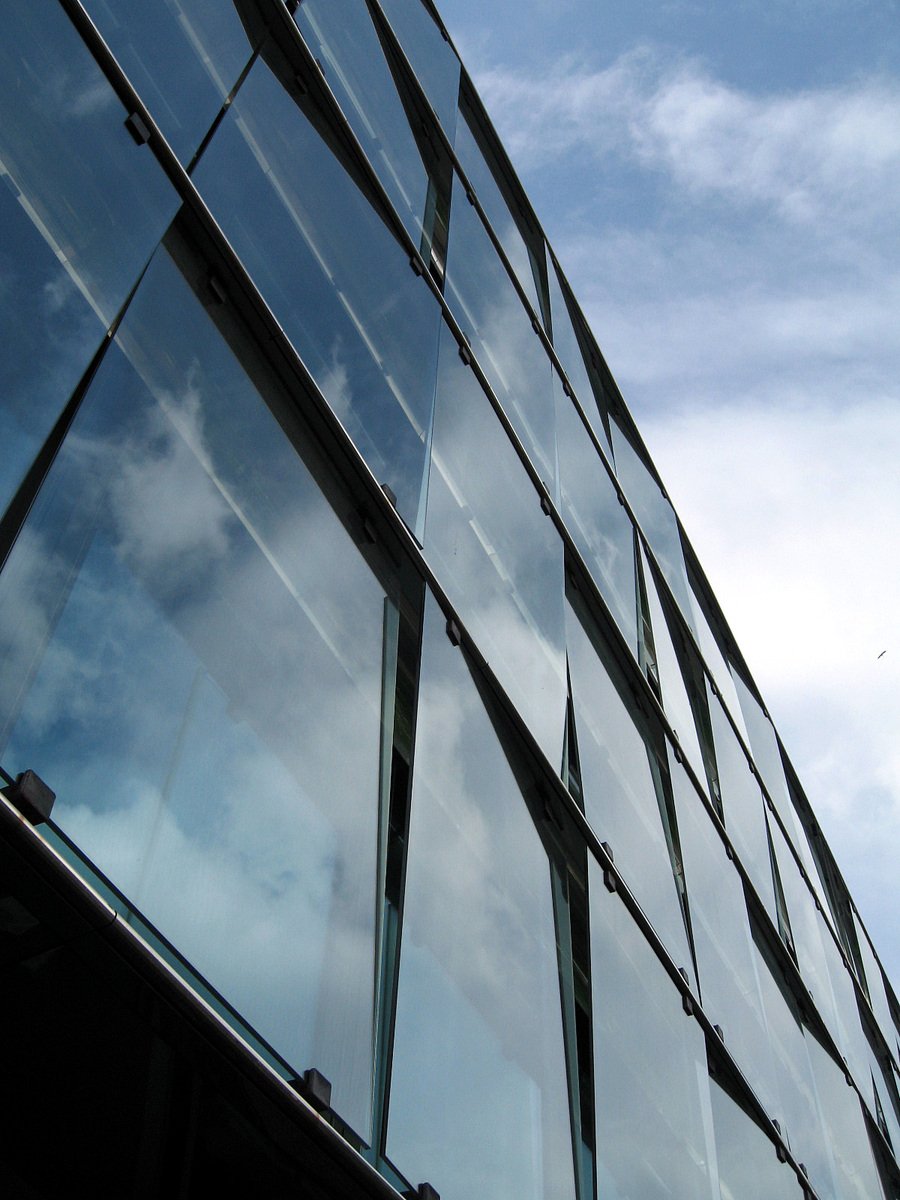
[(748, 1166), (341, 36), (495, 552), (333, 275), (598, 523), (671, 681), (435, 64), (729, 989), (743, 806), (875, 986), (182, 56), (479, 1101), (190, 654), (492, 316), (565, 343), (656, 517), (851, 1040), (856, 1176), (654, 1126), (496, 209), (798, 1113), (81, 208), (766, 755), (619, 787), (717, 666)]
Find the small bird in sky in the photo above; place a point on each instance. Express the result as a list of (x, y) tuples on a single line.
[(882, 654)]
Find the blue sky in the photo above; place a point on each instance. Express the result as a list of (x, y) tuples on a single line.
[(720, 184)]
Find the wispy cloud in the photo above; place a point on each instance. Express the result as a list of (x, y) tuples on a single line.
[(801, 155)]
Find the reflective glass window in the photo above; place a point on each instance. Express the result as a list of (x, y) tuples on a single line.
[(341, 36), (479, 1101), (496, 553), (182, 56), (565, 343), (729, 989), (806, 931), (491, 314), (875, 985), (798, 1112), (717, 666), (656, 517), (333, 275), (653, 1119), (620, 789), (598, 523), (81, 208), (856, 1176), (671, 681), (435, 64), (496, 209), (850, 1037), (766, 755), (743, 806), (884, 1082), (190, 655), (748, 1165)]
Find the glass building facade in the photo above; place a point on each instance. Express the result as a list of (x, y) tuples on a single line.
[(419, 826)]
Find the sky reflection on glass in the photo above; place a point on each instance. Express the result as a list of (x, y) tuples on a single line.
[(479, 1101), (187, 635)]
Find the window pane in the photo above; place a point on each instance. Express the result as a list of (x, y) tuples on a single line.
[(479, 1101), (434, 63), (489, 310), (340, 34), (654, 1128), (495, 552), (856, 1177), (656, 516), (729, 990), (748, 1165), (182, 56), (81, 208), (333, 275), (875, 986), (187, 634), (496, 209), (743, 806), (565, 343), (598, 523), (620, 797)]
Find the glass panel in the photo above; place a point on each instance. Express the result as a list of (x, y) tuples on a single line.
[(748, 1166), (845, 1129), (729, 989), (187, 634), (717, 666), (496, 209), (620, 796), (656, 517), (674, 693), (884, 1082), (598, 523), (492, 316), (80, 211), (494, 550), (850, 1038), (806, 931), (479, 1101), (341, 35), (435, 64), (766, 755), (875, 986), (654, 1126), (743, 806), (565, 343), (798, 1113), (334, 277), (182, 56)]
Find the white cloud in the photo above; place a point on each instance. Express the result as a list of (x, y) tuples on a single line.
[(805, 156)]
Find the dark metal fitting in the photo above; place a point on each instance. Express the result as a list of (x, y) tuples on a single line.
[(32, 797), (138, 128), (453, 632)]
